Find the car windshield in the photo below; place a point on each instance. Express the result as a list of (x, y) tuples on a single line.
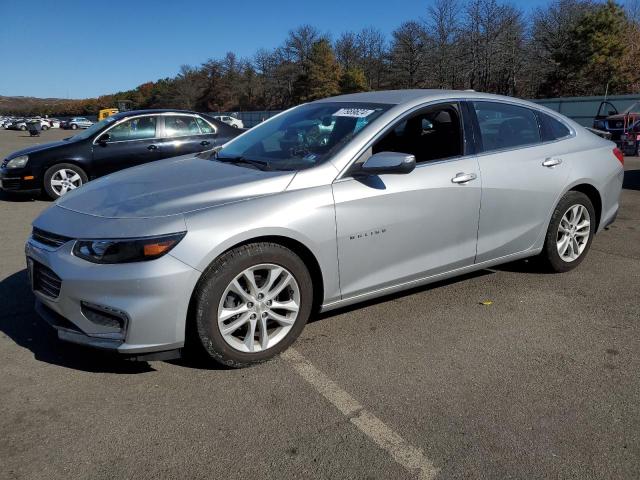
[(634, 108), (303, 137), (96, 127)]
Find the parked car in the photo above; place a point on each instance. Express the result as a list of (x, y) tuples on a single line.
[(76, 123), (229, 120), (17, 124), (231, 256), (54, 122), (630, 140), (123, 140), (609, 120)]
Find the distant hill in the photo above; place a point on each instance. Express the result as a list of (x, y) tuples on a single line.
[(33, 105)]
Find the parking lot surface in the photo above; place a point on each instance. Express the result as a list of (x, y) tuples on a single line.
[(431, 383)]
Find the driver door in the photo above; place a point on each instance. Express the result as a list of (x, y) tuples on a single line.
[(397, 228)]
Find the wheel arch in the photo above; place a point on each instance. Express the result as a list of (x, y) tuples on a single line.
[(296, 246), (594, 195)]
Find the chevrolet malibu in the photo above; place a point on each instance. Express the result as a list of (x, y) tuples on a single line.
[(325, 205)]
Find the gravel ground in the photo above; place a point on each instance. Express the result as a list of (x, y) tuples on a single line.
[(543, 383)]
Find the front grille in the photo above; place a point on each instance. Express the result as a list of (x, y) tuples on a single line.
[(48, 238), (46, 281), (11, 183)]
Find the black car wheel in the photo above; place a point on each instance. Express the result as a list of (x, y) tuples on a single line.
[(23, 127), (74, 126), (63, 177)]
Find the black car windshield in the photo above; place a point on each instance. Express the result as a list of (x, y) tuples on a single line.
[(303, 137), (96, 127)]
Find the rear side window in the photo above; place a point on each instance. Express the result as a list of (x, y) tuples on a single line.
[(552, 129), (180, 126), (506, 126)]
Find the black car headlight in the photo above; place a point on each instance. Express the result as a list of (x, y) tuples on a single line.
[(126, 250), (18, 162)]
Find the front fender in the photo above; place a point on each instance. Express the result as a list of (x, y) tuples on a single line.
[(306, 216)]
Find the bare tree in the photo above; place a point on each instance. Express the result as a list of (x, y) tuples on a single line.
[(443, 31), (408, 55)]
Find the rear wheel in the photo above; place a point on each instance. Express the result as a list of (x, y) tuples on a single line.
[(74, 126), (62, 178), (44, 127), (252, 303), (23, 127), (570, 232)]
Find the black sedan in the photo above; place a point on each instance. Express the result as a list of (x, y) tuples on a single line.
[(120, 141)]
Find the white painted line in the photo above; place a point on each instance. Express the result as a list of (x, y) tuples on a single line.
[(402, 452)]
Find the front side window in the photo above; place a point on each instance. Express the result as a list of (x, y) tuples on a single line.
[(305, 136), (180, 126), (506, 126), (432, 134), (139, 128), (204, 126)]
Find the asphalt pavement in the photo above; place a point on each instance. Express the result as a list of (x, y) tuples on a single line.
[(542, 383)]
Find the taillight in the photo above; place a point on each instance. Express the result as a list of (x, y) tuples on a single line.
[(619, 155)]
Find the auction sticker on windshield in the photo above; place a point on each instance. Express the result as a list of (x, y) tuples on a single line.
[(353, 112)]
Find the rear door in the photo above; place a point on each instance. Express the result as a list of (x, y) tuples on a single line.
[(522, 178), (130, 143), (185, 134)]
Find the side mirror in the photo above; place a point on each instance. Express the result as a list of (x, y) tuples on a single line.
[(104, 138), (389, 162)]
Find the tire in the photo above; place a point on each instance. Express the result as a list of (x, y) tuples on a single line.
[(74, 126), (208, 303), (54, 173), (550, 255), (23, 128), (44, 127)]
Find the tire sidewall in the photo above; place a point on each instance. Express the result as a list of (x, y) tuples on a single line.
[(550, 250), (216, 279), (51, 170)]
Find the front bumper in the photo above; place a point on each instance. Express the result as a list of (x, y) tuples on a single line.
[(152, 298), (18, 180)]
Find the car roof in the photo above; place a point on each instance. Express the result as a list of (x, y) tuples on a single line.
[(151, 111), (399, 97)]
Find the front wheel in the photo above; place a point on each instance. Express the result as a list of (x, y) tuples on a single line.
[(251, 304), (74, 126), (62, 178), (570, 233)]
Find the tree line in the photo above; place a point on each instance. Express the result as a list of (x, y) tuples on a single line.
[(568, 48)]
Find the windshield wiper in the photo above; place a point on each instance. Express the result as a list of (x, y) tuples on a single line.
[(260, 165)]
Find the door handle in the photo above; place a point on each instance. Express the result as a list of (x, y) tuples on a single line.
[(152, 147), (204, 143), (463, 177), (551, 162)]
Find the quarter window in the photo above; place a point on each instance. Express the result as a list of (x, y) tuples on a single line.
[(506, 126), (553, 129), (432, 134), (180, 126), (139, 128)]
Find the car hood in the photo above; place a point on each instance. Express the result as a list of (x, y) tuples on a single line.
[(171, 187), (42, 146)]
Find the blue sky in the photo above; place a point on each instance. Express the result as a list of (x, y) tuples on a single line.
[(78, 49)]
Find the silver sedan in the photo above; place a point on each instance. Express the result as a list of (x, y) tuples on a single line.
[(325, 205)]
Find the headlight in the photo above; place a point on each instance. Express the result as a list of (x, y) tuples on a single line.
[(126, 250), (18, 162)]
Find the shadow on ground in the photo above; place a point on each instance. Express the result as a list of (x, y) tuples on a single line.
[(631, 180), (20, 323)]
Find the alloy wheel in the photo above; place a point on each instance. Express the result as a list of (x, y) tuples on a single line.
[(573, 233), (258, 308), (64, 180)]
